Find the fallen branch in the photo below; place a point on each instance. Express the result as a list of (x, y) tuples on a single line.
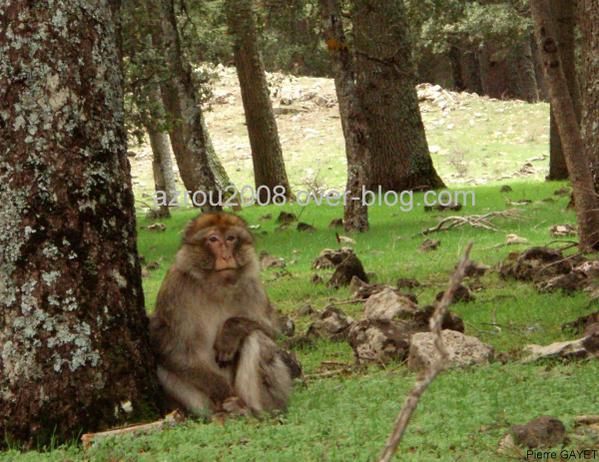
[(88, 439), (437, 365), (476, 221)]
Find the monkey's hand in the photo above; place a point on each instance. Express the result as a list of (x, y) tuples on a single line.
[(230, 338)]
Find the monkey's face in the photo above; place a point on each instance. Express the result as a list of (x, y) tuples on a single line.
[(219, 245)]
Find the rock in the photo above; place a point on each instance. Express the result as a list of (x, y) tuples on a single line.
[(387, 305), (330, 258), (463, 350), (591, 341), (317, 279), (407, 283), (379, 341), (430, 244), (158, 227), (455, 206), (571, 349), (534, 264), (285, 324), (286, 218), (346, 270), (290, 359), (305, 227), (332, 324), (568, 283), (562, 230), (475, 269), (336, 223), (591, 329), (346, 240), (450, 321), (512, 239), (153, 265), (542, 432), (306, 310), (131, 154), (461, 294), (506, 189), (268, 261)]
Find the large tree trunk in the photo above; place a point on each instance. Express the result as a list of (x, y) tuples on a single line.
[(524, 65), (587, 203), (589, 25), (267, 156), (352, 117), (181, 101), (73, 330), (564, 13), (399, 156)]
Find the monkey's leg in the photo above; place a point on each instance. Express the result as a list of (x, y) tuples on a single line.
[(262, 379), (184, 393)]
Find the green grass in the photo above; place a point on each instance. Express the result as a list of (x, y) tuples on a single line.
[(464, 413)]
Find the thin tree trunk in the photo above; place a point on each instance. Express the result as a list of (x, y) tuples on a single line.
[(73, 330), (267, 156), (162, 168), (564, 12), (181, 102), (589, 25), (457, 71), (385, 78), (352, 117), (539, 72), (587, 203)]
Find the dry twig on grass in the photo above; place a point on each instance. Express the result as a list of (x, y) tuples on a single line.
[(88, 439), (476, 221), (437, 365)]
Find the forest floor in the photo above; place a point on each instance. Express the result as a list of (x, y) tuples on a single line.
[(342, 411), (473, 140)]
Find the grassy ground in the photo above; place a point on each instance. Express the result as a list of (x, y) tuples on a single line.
[(464, 413)]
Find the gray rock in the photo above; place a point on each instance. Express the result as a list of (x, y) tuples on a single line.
[(387, 305), (463, 350)]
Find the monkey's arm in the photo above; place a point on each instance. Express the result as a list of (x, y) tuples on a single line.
[(233, 333), (201, 377)]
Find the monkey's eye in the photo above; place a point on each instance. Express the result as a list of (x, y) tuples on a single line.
[(213, 239), (231, 238)]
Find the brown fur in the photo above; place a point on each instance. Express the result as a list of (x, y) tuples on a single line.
[(213, 330)]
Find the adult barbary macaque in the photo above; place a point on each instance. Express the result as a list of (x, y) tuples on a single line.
[(213, 327)]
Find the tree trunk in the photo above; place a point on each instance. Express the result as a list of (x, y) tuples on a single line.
[(457, 71), (399, 156), (73, 330), (589, 25), (181, 102), (352, 117), (267, 156), (471, 72), (495, 72), (539, 72), (526, 82), (564, 12), (162, 168), (587, 203)]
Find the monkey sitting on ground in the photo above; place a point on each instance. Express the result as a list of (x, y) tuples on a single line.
[(213, 327)]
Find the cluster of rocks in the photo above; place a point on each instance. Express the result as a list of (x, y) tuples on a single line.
[(393, 328), (550, 270)]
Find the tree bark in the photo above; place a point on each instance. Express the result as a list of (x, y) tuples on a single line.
[(399, 157), (526, 82), (587, 203), (162, 168), (471, 72), (564, 12), (353, 121), (187, 127), (589, 25), (267, 156), (73, 330)]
